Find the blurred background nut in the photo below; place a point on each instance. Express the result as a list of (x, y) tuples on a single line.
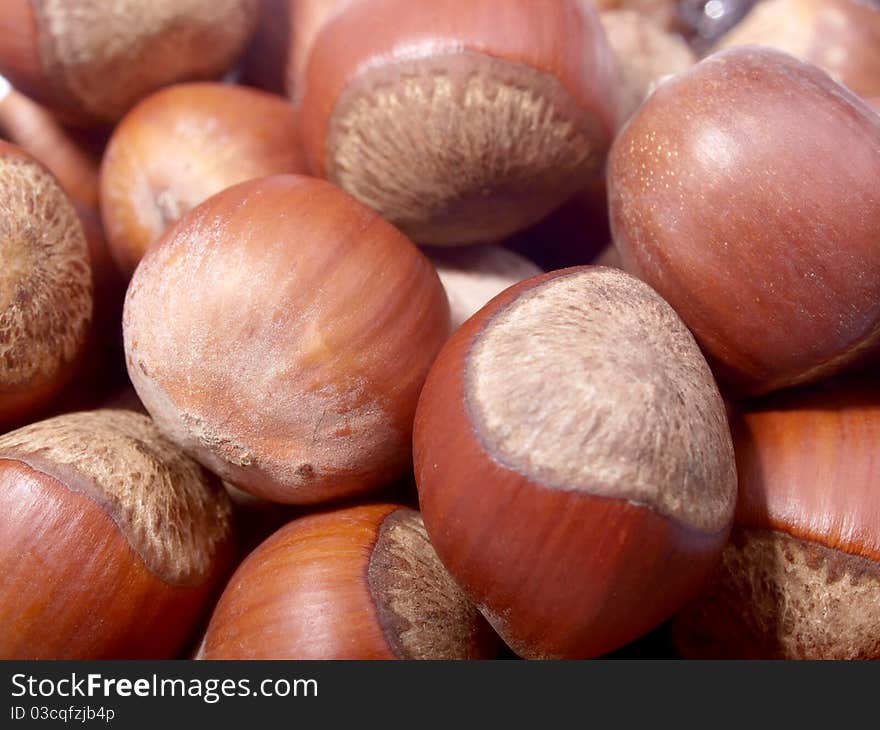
[(645, 54), (181, 145), (842, 37), (91, 61), (307, 19), (662, 13)]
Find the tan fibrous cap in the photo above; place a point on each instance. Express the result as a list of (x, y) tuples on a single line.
[(410, 585), (590, 382), (463, 125), (174, 514), (45, 280), (805, 601)]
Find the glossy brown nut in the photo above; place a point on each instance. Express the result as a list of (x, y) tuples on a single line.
[(357, 583), (46, 296), (574, 464), (776, 274), (280, 333), (841, 37), (800, 578), (182, 145), (465, 123), (92, 60), (473, 275), (112, 540)]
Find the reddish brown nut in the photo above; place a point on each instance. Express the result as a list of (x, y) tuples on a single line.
[(473, 275), (112, 541), (574, 464), (465, 123), (280, 333), (180, 146), (357, 583), (776, 274), (92, 60), (46, 297), (645, 55), (841, 37), (26, 124), (800, 578)]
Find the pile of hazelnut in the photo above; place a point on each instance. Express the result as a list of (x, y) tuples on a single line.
[(313, 345)]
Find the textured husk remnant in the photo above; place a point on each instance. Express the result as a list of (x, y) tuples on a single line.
[(777, 596), (423, 612), (45, 277), (106, 54), (452, 146), (591, 382), (173, 513)]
